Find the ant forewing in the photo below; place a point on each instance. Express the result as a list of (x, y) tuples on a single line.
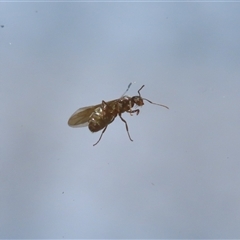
[(99, 116)]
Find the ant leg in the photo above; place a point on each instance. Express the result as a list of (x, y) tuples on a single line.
[(133, 111), (103, 132), (100, 136), (125, 125)]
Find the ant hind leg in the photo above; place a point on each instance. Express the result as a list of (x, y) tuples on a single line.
[(100, 136)]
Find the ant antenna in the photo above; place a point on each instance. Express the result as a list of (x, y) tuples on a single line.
[(129, 85), (140, 90), (156, 103), (149, 100)]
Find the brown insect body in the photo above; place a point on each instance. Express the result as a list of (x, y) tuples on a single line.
[(101, 117), (98, 117), (107, 112)]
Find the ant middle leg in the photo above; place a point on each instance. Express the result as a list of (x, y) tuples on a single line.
[(126, 126)]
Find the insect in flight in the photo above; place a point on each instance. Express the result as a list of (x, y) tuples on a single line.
[(99, 116)]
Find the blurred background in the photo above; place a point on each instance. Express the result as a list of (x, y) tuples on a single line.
[(179, 178)]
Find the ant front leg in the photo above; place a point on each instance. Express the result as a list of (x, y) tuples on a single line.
[(125, 125), (137, 111)]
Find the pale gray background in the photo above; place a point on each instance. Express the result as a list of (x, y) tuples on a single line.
[(180, 178)]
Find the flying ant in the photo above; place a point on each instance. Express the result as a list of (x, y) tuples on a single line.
[(99, 116)]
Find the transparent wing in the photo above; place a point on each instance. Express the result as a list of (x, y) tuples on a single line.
[(81, 116)]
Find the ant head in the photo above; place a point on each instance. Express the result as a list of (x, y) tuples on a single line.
[(138, 100)]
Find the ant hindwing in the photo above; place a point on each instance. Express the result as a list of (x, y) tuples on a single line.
[(99, 116)]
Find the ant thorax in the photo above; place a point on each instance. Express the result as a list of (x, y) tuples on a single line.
[(124, 104)]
